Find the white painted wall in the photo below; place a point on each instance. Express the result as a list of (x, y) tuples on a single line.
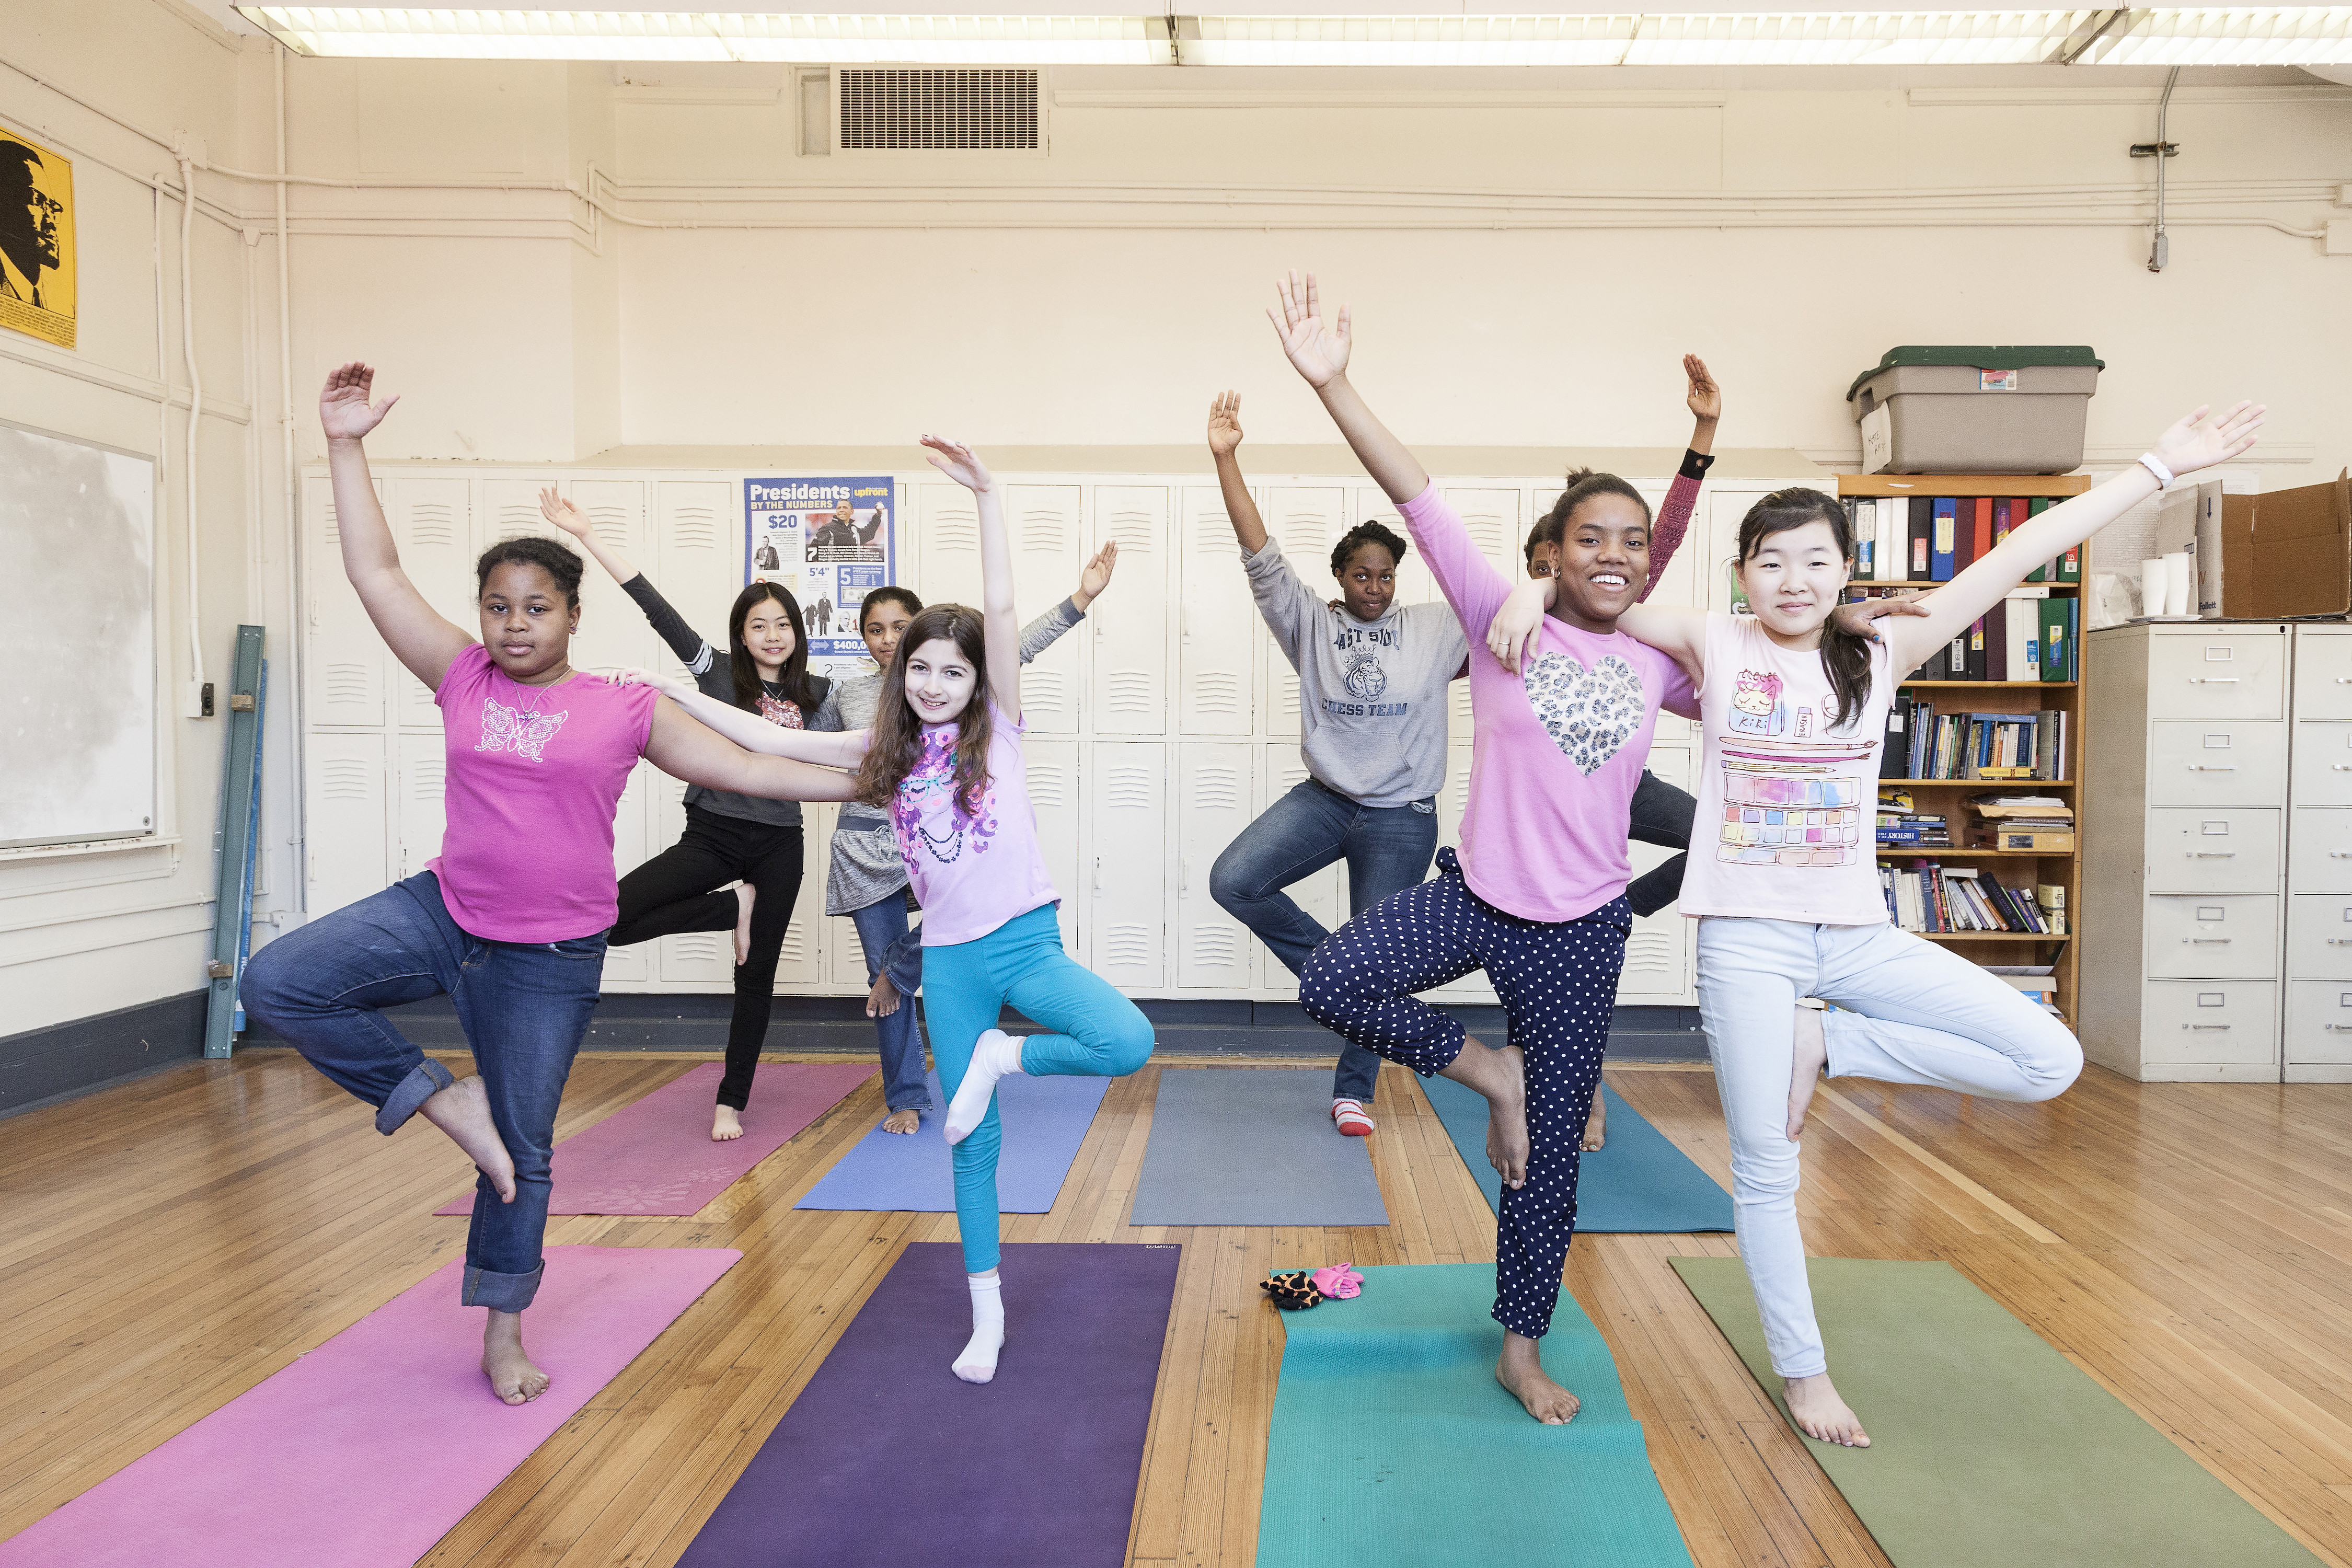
[(1526, 251)]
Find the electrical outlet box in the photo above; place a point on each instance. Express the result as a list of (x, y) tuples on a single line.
[(2339, 238)]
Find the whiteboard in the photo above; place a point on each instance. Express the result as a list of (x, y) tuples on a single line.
[(77, 640)]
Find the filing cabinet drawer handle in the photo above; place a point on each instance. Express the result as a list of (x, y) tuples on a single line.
[(2340, 767), (2207, 1026), (2339, 942), (2193, 941), (2339, 853), (2213, 680), (2220, 767), (2344, 681), (2345, 1027), (2214, 854)]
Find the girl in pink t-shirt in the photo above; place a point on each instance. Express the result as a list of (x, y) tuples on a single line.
[(1783, 878), (510, 919)]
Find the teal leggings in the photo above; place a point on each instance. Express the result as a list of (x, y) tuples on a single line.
[(1101, 1034)]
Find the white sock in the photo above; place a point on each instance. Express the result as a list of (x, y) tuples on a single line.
[(994, 1054), (977, 1362)]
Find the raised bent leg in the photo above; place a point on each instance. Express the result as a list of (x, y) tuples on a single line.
[(1915, 1013), (1295, 838), (1096, 1031)]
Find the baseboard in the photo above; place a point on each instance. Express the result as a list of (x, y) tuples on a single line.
[(635, 1021), (41, 1066)]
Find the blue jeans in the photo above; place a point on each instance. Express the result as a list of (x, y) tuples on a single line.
[(523, 1006), (1387, 848), (882, 934)]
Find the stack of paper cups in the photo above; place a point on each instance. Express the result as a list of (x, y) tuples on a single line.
[(2176, 583), (2154, 582)]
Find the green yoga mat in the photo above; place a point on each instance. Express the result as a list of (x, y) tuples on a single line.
[(1637, 1182), (1394, 1446), (1987, 1445)]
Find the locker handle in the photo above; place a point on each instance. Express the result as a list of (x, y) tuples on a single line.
[(2212, 855), (2191, 941), (2207, 1026), (2218, 767), (2213, 680)]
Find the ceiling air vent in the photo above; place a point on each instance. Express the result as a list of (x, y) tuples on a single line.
[(915, 108)]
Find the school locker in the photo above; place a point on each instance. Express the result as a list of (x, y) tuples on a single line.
[(1126, 900), (433, 528), (1218, 634), (350, 819), (1048, 551), (697, 561), (1129, 693), (1215, 784), (612, 630), (948, 562), (1057, 786), (419, 819), (1491, 516), (347, 661), (632, 966)]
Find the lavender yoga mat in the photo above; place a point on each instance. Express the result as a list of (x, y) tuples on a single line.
[(886, 1458), (367, 1451), (655, 1157), (1045, 1120)]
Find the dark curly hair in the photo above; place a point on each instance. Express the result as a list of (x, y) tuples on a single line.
[(889, 594), (1365, 533), (554, 557), (1583, 484)]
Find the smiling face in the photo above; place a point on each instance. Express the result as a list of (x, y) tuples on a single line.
[(1793, 579), (1604, 562), (884, 628), (1367, 582), (845, 512), (939, 680), (527, 625), (769, 635)]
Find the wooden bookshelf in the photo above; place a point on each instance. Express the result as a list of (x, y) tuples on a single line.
[(2023, 868)]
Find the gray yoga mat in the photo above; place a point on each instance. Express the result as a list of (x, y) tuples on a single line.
[(1252, 1146)]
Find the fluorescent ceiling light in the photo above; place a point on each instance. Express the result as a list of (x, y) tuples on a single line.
[(2233, 36)]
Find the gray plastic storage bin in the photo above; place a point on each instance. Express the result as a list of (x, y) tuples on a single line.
[(1975, 409)]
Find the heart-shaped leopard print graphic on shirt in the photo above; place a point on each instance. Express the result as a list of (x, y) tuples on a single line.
[(1588, 714)]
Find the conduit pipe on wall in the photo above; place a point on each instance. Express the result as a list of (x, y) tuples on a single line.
[(290, 646), (194, 706)]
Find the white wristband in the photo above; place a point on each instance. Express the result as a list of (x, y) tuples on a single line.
[(2163, 474)]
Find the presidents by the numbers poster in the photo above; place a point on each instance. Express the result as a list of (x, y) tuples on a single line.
[(829, 542)]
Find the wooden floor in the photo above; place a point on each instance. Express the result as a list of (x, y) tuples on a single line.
[(166, 1244)]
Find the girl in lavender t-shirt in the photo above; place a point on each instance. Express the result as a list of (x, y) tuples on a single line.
[(510, 918)]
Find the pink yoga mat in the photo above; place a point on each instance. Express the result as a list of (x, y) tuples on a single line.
[(657, 1157), (369, 1449)]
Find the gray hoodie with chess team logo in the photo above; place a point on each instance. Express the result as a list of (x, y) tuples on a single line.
[(1371, 694)]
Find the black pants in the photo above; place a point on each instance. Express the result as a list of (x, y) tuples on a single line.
[(1661, 815), (672, 893)]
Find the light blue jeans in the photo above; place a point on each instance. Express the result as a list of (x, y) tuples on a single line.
[(882, 934), (1911, 1012), (1101, 1034)]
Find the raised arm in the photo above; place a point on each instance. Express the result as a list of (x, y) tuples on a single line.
[(1320, 354), (685, 750), (2194, 442), (963, 465), (416, 633), (1672, 525), (1225, 450), (1049, 627), (693, 650), (568, 517)]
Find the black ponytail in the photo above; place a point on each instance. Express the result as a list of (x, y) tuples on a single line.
[(1844, 658)]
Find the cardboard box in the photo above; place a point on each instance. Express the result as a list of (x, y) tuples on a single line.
[(2188, 522), (2288, 553)]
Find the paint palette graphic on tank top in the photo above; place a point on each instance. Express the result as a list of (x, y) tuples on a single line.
[(1588, 714), (1792, 791)]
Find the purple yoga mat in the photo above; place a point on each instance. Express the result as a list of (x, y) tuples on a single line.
[(370, 1449), (886, 1458), (657, 1157)]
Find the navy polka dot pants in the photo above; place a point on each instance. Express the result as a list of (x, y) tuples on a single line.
[(1558, 983)]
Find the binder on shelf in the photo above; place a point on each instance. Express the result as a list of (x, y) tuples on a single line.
[(2058, 624), (1977, 661), (2042, 573), (1922, 524), (1862, 527), (1946, 516), (1981, 545)]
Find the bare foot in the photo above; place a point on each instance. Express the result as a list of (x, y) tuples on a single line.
[(1501, 1076), (744, 894), (725, 1124), (1520, 1370), (1821, 1415), (883, 1000), (1596, 1126), (463, 1111), (512, 1377), (907, 1120), (1805, 1070)]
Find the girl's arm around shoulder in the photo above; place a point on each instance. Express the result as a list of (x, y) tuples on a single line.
[(1677, 632), (687, 750), (832, 749)]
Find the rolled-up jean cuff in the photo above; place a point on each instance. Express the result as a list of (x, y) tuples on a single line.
[(501, 1292), (429, 1079)]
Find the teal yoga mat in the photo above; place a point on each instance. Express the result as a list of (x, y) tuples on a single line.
[(1394, 1446), (1638, 1181), (1986, 1445)]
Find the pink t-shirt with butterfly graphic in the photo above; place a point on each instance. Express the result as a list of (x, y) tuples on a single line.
[(1557, 751), (534, 775), (972, 870)]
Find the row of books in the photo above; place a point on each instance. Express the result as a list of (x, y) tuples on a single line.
[(2028, 636), (1902, 825), (2033, 981), (1929, 896), (1924, 744), (1932, 539), (2041, 823)]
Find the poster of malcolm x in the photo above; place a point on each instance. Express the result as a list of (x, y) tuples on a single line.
[(37, 240)]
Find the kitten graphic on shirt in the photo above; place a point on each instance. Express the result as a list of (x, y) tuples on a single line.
[(1756, 707), (505, 728)]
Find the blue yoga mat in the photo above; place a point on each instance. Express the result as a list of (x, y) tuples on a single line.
[(1637, 1181), (1045, 1120), (1392, 1446)]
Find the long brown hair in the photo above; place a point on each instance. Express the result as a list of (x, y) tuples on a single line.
[(794, 676), (1844, 658), (899, 733)]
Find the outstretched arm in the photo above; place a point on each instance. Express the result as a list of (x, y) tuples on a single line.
[(1319, 352), (1672, 524), (2194, 442), (834, 748), (418, 636), (963, 465), (1093, 578), (568, 517), (1706, 401), (1224, 449), (684, 749)]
